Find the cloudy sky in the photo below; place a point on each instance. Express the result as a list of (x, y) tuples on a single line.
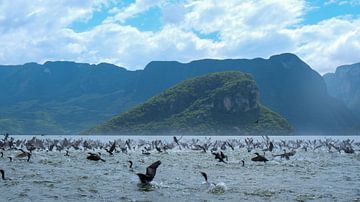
[(128, 33)]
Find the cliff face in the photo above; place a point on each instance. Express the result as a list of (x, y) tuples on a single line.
[(344, 85), (218, 103)]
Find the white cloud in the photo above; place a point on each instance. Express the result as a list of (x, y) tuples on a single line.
[(328, 44), (38, 31), (139, 6)]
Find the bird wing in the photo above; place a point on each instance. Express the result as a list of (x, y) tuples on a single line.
[(204, 175), (151, 170), (112, 147)]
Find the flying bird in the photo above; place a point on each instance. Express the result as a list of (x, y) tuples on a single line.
[(220, 156), (150, 173), (112, 148)]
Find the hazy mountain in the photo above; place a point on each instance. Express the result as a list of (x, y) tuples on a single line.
[(344, 84), (224, 103), (64, 97)]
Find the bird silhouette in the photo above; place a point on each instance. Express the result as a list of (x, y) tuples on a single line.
[(150, 173)]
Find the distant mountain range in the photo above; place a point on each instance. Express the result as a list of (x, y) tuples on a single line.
[(225, 103), (68, 97), (344, 84)]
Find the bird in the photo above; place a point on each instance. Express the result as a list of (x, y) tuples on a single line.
[(214, 188), (259, 158), (158, 149), (145, 152), (150, 173), (243, 163), (271, 147), (205, 176), (2, 154), (10, 158), (130, 164), (220, 156), (176, 140), (24, 154), (112, 148), (286, 155), (67, 153), (3, 175), (94, 157)]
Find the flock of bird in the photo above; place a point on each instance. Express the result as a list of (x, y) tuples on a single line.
[(93, 148)]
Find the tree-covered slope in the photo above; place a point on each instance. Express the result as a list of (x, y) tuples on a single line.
[(68, 97), (218, 103)]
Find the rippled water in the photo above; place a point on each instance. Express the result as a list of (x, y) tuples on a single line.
[(314, 175)]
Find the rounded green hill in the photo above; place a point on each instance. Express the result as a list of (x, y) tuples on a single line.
[(225, 103)]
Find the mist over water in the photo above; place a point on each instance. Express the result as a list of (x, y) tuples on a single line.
[(312, 175)]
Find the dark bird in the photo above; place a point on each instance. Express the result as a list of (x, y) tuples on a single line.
[(28, 156), (271, 147), (176, 140), (24, 154), (158, 149), (67, 153), (3, 175), (10, 158), (286, 155), (130, 164), (112, 148), (220, 156), (150, 173), (145, 152), (230, 145), (257, 121), (201, 147), (258, 157), (205, 176), (243, 163), (2, 154), (94, 157)]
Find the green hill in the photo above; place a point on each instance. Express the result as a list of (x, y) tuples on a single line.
[(224, 103)]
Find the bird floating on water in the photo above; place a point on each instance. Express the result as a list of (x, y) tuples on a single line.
[(94, 157), (259, 158), (3, 175)]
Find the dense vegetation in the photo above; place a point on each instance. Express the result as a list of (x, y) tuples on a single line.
[(218, 103), (68, 97)]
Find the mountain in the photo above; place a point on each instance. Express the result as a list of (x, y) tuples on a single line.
[(68, 97), (287, 86), (344, 85), (62, 97), (224, 103)]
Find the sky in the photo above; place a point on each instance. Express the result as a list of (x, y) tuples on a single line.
[(131, 33)]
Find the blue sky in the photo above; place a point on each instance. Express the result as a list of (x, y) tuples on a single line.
[(131, 33)]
